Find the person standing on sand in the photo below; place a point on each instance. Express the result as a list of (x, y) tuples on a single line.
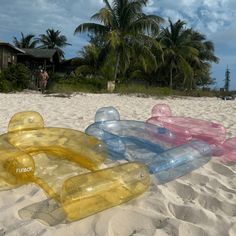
[(43, 80)]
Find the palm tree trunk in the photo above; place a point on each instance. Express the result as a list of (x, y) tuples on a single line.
[(171, 75), (117, 66), (191, 83)]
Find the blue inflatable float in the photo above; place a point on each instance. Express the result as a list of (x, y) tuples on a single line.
[(149, 144)]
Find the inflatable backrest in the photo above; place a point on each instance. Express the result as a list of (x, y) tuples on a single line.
[(107, 114), (26, 120), (161, 110)]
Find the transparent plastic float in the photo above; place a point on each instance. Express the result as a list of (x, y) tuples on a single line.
[(187, 128), (150, 144), (56, 160)]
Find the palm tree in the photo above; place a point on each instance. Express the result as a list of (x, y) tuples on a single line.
[(26, 41), (53, 40), (205, 54), (177, 50), (89, 62), (126, 29)]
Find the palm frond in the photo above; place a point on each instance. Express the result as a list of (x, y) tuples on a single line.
[(146, 23), (186, 68), (92, 27), (114, 20), (27, 41), (114, 39), (104, 16), (84, 69)]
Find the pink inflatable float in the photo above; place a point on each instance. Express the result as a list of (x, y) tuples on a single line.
[(229, 150), (187, 128)]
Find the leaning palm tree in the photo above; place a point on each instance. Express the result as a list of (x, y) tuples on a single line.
[(126, 30), (53, 40), (177, 50), (26, 41)]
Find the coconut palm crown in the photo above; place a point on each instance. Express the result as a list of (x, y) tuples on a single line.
[(126, 29), (178, 49), (53, 40), (26, 41)]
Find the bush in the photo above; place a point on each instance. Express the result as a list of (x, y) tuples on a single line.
[(78, 84), (5, 86), (195, 93), (15, 77), (142, 89)]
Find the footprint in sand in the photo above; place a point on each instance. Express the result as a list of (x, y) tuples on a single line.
[(232, 230), (190, 214), (222, 169), (184, 191), (196, 179), (223, 190), (214, 204), (156, 205), (201, 218), (191, 230), (119, 224)]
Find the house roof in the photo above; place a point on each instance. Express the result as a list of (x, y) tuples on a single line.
[(40, 53), (11, 46)]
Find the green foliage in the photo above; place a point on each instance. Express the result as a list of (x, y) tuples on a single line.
[(133, 47), (227, 79), (128, 46), (195, 93), (98, 85), (5, 86), (125, 28), (89, 62), (78, 84), (107, 68), (26, 41), (53, 39), (143, 90), (15, 78)]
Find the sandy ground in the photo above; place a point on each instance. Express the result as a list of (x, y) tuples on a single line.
[(200, 203)]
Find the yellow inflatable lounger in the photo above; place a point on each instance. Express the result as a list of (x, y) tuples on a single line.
[(54, 158)]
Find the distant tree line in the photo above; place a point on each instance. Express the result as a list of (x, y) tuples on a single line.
[(52, 39), (126, 44)]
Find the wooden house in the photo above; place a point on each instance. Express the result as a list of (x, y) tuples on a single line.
[(36, 58), (8, 55), (33, 58)]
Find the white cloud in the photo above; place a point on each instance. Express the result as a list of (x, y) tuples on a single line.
[(208, 15), (38, 15)]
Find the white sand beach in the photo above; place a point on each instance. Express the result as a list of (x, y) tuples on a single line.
[(202, 203)]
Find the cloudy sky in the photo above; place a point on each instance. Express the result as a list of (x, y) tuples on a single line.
[(215, 18)]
